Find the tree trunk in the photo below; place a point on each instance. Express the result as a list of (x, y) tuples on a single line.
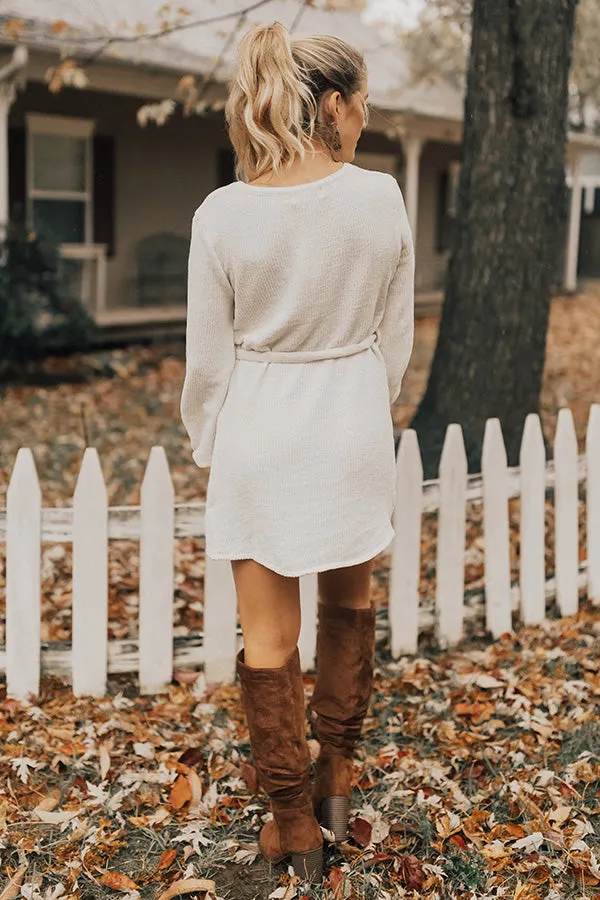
[(512, 210)]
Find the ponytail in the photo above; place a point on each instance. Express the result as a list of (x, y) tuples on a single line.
[(272, 111)]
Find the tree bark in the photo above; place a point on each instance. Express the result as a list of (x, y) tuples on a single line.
[(512, 210)]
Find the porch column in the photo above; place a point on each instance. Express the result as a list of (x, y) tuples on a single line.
[(7, 95), (412, 145), (570, 278)]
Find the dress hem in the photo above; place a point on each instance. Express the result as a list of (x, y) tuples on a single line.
[(363, 557)]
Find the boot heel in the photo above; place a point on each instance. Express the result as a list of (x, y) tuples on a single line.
[(334, 816), (309, 865)]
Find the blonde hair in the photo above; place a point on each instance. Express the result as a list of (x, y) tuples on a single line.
[(273, 107)]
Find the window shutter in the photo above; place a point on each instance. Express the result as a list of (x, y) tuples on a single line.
[(442, 209), (225, 166), (17, 181), (104, 192)]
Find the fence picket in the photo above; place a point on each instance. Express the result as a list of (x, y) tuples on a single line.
[(220, 621), (403, 594), (592, 450), (451, 539), (23, 576), (496, 530), (566, 542), (156, 575), (532, 566), (307, 642), (89, 658)]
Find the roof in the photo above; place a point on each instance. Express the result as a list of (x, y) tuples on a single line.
[(195, 49)]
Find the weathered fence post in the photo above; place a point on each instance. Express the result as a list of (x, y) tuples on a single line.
[(220, 621), (405, 567), (90, 580), (566, 514), (23, 574), (157, 515), (496, 530), (532, 528), (451, 539), (592, 451)]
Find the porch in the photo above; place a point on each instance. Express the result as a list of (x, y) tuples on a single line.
[(120, 197)]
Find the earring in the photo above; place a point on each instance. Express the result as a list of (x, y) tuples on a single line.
[(337, 141)]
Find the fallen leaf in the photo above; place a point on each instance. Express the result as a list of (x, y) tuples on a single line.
[(195, 785), (361, 831), (181, 792), (56, 818), (48, 803), (411, 871), (104, 759), (167, 858), (118, 882), (192, 756), (13, 888), (488, 681), (560, 815), (186, 886)]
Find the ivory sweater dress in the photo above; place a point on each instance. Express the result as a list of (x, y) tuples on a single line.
[(299, 330)]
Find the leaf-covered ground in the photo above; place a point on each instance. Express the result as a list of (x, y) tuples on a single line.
[(480, 766), (478, 777)]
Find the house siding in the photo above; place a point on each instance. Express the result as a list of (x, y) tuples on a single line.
[(161, 173)]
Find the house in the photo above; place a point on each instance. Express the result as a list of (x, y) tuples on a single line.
[(120, 197)]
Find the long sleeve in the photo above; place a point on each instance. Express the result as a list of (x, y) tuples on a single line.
[(210, 351), (396, 329)]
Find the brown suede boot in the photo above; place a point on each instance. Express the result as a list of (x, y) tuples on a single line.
[(340, 700), (273, 700)]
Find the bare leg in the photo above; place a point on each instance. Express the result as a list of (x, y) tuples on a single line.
[(269, 608), (349, 586), (272, 694)]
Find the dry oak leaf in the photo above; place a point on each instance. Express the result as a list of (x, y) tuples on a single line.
[(186, 886), (181, 792), (118, 882)]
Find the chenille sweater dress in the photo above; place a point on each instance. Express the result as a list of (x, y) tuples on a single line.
[(299, 330)]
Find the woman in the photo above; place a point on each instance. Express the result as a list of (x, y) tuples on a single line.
[(299, 331)]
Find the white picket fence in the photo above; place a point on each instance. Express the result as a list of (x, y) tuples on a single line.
[(90, 524)]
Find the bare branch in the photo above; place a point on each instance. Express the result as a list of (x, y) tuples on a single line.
[(152, 35)]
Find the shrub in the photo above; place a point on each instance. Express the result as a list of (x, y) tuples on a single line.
[(36, 312)]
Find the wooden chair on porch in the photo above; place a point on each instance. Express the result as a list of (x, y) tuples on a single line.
[(161, 261)]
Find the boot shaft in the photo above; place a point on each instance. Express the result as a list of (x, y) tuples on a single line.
[(343, 686), (273, 700)]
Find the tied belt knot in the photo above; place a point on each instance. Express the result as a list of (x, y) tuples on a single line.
[(302, 356)]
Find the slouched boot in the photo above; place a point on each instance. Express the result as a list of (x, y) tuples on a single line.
[(273, 700), (339, 704)]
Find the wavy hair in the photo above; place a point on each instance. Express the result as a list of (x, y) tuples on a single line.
[(273, 110)]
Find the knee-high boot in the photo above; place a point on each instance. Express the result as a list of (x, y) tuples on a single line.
[(273, 700), (343, 685)]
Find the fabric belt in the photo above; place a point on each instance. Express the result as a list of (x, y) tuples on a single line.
[(302, 356)]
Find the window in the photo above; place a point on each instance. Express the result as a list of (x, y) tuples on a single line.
[(59, 177)]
